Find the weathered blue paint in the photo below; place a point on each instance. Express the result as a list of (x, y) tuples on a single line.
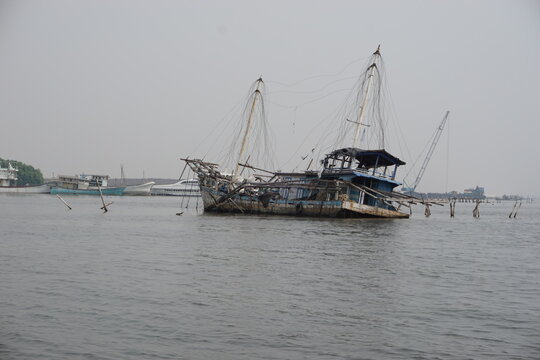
[(361, 174), (105, 191)]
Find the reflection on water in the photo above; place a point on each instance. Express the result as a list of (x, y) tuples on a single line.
[(141, 282)]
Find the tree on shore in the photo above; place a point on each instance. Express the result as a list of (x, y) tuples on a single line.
[(27, 174)]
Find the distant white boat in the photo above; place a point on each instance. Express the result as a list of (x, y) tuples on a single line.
[(181, 188), (8, 179), (38, 189), (139, 190)]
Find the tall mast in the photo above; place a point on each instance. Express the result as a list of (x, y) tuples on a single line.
[(359, 124), (256, 94)]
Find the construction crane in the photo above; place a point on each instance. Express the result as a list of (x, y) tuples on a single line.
[(438, 133)]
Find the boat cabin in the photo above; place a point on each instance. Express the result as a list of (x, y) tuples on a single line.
[(377, 163), (368, 169), (82, 182), (94, 180), (8, 176)]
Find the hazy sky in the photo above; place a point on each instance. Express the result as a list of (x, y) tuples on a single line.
[(88, 85)]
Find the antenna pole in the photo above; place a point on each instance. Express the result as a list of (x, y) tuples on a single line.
[(122, 175), (248, 127), (372, 68)]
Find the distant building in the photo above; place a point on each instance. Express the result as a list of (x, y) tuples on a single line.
[(476, 192)]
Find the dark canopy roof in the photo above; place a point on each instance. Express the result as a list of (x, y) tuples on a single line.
[(368, 158)]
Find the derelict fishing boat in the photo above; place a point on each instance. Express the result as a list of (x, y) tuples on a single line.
[(353, 182)]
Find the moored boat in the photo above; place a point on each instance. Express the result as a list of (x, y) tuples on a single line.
[(139, 190), (91, 191), (188, 187), (36, 189), (84, 185), (8, 180)]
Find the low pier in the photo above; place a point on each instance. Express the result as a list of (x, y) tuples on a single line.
[(468, 196)]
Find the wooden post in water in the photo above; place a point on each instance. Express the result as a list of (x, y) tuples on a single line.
[(109, 203), (452, 204), (514, 211), (476, 210), (427, 212), (104, 207), (65, 203), (515, 214)]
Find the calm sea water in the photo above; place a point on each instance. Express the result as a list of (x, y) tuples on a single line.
[(142, 283)]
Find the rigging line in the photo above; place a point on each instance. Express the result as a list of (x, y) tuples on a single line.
[(238, 125), (189, 197), (315, 153), (312, 91), (344, 108), (319, 76), (329, 133), (420, 155), (269, 136), (377, 111), (259, 147), (294, 119), (347, 109), (307, 102), (403, 147), (317, 125), (215, 128), (392, 108), (263, 131)]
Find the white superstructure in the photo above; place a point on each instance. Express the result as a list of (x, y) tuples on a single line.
[(8, 181), (8, 176), (181, 188)]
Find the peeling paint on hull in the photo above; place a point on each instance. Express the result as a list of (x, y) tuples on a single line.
[(327, 209)]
